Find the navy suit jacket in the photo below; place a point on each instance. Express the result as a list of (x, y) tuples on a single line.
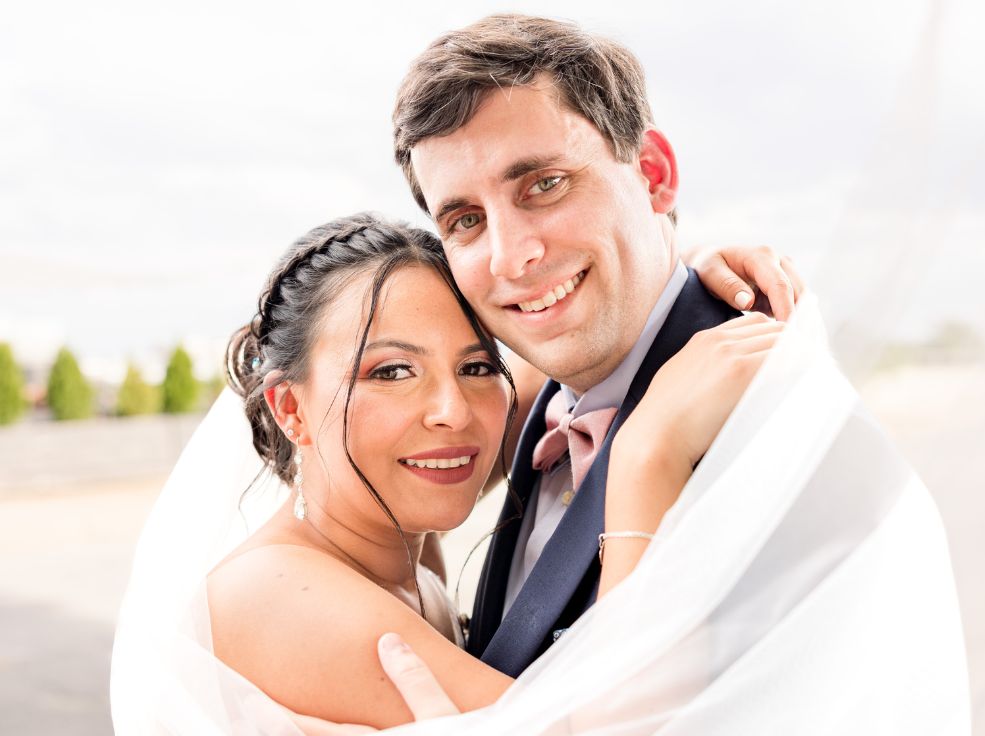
[(564, 582)]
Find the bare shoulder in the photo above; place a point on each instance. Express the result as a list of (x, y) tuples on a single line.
[(267, 581), (303, 627)]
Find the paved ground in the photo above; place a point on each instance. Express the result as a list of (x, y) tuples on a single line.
[(64, 558), (64, 562)]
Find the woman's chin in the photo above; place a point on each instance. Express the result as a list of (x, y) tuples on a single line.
[(449, 520)]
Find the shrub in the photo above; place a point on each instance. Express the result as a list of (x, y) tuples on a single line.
[(180, 389), (136, 396), (11, 386), (69, 394)]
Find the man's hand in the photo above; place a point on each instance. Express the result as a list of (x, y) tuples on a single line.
[(418, 686), (750, 278), (413, 679)]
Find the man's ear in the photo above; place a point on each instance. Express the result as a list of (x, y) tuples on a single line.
[(659, 167), (283, 402)]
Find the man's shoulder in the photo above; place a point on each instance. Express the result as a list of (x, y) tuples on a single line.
[(698, 308)]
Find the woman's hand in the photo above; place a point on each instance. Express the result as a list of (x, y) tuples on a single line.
[(749, 278), (693, 393), (683, 410)]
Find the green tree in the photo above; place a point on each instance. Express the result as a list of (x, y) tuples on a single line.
[(11, 386), (69, 394), (180, 389), (136, 396)]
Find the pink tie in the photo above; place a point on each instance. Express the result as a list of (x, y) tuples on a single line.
[(580, 436)]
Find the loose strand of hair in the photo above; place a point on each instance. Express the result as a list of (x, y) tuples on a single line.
[(378, 281)]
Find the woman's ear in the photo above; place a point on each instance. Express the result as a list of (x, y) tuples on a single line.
[(659, 167), (284, 404)]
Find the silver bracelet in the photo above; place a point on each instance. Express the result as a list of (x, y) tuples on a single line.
[(620, 535)]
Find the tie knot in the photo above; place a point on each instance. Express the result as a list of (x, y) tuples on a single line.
[(580, 437)]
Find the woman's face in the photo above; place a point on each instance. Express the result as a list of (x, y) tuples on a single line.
[(427, 412)]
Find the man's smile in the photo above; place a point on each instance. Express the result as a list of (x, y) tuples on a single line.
[(545, 298), (552, 296)]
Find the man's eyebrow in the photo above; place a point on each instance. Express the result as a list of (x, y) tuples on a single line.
[(398, 344), (449, 206), (519, 169), (516, 170)]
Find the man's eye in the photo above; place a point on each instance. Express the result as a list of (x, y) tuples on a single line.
[(468, 221), (395, 372), (479, 368), (545, 184)]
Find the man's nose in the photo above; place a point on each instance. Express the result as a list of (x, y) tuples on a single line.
[(515, 246), (447, 406)]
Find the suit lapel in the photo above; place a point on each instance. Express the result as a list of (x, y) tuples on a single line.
[(490, 596), (573, 548)]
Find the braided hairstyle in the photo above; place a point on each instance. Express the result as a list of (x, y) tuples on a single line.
[(303, 285)]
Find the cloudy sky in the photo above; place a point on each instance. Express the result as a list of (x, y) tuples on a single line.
[(156, 159)]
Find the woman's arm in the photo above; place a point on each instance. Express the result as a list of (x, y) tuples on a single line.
[(684, 408), (304, 628), (750, 278)]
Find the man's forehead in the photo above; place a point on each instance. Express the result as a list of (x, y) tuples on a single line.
[(513, 132)]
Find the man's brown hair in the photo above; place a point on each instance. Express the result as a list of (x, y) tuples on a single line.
[(445, 86)]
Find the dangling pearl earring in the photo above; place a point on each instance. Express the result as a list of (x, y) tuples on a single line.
[(300, 507)]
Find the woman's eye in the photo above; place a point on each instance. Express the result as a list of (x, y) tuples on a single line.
[(479, 368), (395, 372), (545, 184)]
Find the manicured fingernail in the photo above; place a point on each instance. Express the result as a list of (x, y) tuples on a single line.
[(743, 299), (391, 643)]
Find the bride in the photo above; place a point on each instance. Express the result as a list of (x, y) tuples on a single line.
[(373, 392)]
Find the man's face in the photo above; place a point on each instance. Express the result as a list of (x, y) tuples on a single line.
[(555, 243)]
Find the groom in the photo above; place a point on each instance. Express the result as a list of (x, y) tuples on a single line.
[(531, 145)]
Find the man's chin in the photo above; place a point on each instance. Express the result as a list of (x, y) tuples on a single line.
[(570, 367)]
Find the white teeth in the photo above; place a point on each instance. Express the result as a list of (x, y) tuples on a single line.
[(552, 297), (440, 463)]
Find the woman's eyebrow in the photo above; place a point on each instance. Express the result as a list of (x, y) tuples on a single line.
[(408, 347), (398, 344), (475, 347)]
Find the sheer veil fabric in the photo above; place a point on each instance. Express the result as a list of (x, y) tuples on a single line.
[(801, 584)]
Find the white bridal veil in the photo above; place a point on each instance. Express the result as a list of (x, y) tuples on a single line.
[(801, 585)]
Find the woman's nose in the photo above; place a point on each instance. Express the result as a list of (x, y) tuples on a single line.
[(448, 407)]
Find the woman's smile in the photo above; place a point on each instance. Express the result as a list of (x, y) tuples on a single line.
[(444, 465)]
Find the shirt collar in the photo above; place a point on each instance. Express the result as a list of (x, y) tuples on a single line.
[(612, 391)]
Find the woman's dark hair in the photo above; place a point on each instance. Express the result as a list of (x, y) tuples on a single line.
[(308, 278)]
